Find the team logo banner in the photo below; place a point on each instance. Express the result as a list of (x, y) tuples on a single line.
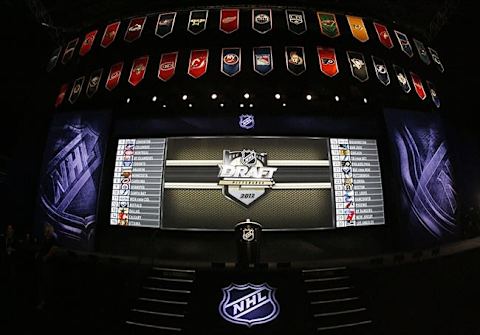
[(262, 60), (328, 24), (135, 28), (229, 20), (295, 58), (110, 34), (433, 94), (436, 59), (114, 76), (381, 70), (404, 43), (52, 62), (231, 61), (402, 78), (422, 51), (165, 24), (168, 64), (262, 20), (417, 84), (197, 21), (197, 65), (68, 53), (137, 72), (357, 65), (328, 61), (383, 35), (61, 95), (94, 82), (76, 89), (296, 21), (358, 28), (249, 304), (87, 43)]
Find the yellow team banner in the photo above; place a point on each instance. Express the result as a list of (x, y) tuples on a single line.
[(358, 28)]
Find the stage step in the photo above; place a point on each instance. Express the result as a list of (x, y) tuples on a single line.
[(162, 302), (336, 305)]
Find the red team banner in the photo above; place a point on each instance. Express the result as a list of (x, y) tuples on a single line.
[(197, 64), (168, 63), (229, 20), (61, 95), (417, 83), (87, 43), (328, 61), (110, 33), (135, 28), (383, 35), (114, 76), (139, 67)]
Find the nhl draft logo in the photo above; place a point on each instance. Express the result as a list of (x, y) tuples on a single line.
[(246, 121), (249, 304), (245, 176)]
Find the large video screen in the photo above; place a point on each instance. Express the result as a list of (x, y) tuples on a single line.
[(213, 183)]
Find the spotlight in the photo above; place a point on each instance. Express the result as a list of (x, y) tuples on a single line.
[(184, 97), (221, 105), (365, 100), (246, 95), (128, 100), (154, 98), (164, 106), (190, 105), (337, 98), (214, 96), (242, 105), (251, 105), (277, 96), (308, 97), (284, 104)]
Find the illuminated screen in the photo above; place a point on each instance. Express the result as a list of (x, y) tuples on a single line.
[(212, 183)]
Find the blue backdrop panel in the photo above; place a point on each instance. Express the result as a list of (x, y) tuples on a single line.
[(70, 177), (428, 195)]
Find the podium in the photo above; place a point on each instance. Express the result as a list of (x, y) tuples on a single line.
[(247, 235)]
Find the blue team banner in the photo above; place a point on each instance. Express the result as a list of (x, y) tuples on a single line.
[(70, 180), (231, 61), (427, 188), (404, 43), (262, 60)]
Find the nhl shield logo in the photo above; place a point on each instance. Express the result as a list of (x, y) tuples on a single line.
[(249, 157), (249, 304), (248, 234), (246, 121)]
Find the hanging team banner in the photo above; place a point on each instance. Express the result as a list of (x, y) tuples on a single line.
[(168, 64), (381, 70), (229, 20), (404, 43), (262, 20), (417, 83), (296, 21), (110, 34), (436, 59), (165, 24), (262, 60), (358, 28), (52, 62), (433, 94), (328, 24), (328, 61), (422, 51), (357, 65), (231, 61), (87, 43), (198, 62), (402, 78), (61, 95), (135, 28), (114, 76), (295, 59), (383, 35), (137, 73), (94, 82), (76, 89), (197, 21), (68, 53)]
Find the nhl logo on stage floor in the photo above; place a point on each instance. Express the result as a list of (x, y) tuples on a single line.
[(249, 304), (246, 121)]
